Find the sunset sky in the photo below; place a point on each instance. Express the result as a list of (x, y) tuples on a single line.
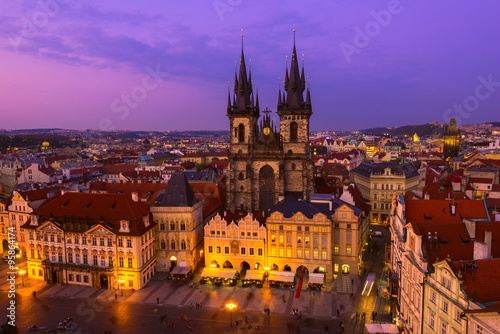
[(165, 65)]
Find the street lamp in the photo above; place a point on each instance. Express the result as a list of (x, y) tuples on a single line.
[(231, 306), (121, 281), (22, 272)]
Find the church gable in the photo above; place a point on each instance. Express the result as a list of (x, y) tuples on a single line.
[(99, 230), (49, 226)]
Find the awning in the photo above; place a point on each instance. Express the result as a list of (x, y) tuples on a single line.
[(255, 275), (180, 271), (316, 278), (282, 276), (210, 272), (382, 328), (227, 273)]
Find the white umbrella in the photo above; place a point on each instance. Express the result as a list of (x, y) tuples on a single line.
[(382, 328)]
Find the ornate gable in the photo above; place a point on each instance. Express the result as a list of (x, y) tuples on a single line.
[(99, 230), (49, 226)]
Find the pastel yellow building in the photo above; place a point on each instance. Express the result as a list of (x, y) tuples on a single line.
[(235, 241), (97, 240)]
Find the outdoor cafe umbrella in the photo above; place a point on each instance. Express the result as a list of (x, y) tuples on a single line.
[(382, 328)]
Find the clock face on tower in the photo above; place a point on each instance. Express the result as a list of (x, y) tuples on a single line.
[(266, 131)]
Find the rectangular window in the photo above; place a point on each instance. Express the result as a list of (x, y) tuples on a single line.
[(288, 239), (40, 272), (84, 240), (260, 252), (94, 258), (324, 229), (336, 250), (445, 307), (110, 261), (32, 253), (281, 239), (85, 279), (77, 239), (443, 328), (273, 238), (210, 249), (299, 240), (299, 228), (289, 227), (110, 242), (94, 241), (120, 261), (431, 320), (306, 228), (130, 283), (288, 253), (349, 251), (315, 229), (129, 243), (68, 239), (336, 238), (129, 260), (103, 261), (348, 237), (457, 317), (78, 278), (226, 250), (307, 240), (323, 255), (273, 251), (349, 226), (336, 267), (323, 241), (120, 242), (251, 251), (307, 254), (243, 251), (433, 297), (315, 241), (77, 258), (281, 252), (281, 227), (218, 249), (479, 329), (299, 253), (59, 257), (85, 259), (51, 238), (70, 257), (316, 254)]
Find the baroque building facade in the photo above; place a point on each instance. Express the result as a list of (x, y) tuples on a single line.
[(266, 161)]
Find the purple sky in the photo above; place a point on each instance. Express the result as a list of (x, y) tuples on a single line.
[(73, 65)]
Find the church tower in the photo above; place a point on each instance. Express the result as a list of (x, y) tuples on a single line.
[(451, 140), (294, 113), (264, 164)]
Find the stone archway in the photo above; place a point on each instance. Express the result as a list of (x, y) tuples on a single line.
[(266, 188), (227, 264), (104, 281), (214, 264)]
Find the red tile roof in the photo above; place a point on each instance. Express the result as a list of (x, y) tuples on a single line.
[(147, 191), (481, 283), (117, 169), (439, 211), (89, 209)]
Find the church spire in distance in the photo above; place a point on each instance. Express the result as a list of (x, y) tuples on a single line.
[(294, 86)]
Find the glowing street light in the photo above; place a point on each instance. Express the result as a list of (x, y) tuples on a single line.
[(231, 306), (22, 272), (121, 281)]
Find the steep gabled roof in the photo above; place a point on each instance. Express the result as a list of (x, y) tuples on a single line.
[(178, 192)]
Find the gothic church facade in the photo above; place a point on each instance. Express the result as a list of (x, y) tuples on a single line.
[(268, 162)]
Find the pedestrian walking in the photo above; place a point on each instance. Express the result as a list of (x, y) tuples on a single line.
[(352, 281), (326, 328), (373, 315), (116, 296), (34, 293)]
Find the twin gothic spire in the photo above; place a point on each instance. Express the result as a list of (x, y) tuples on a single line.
[(243, 96)]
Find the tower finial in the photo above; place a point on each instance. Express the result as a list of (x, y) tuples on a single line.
[(294, 34), (242, 39)]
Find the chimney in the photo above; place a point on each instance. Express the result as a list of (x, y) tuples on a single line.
[(63, 191), (135, 196), (426, 196), (330, 203), (487, 241)]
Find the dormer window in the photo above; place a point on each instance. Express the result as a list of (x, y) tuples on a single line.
[(124, 226), (145, 220)]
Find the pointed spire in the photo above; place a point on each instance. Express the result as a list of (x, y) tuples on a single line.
[(235, 79), (243, 91), (294, 87), (228, 96), (302, 76), (279, 93), (308, 97), (257, 102)]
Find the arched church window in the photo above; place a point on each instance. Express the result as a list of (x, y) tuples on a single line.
[(241, 188), (235, 132), (293, 130), (183, 244), (241, 176), (162, 244), (172, 244), (293, 166), (241, 133)]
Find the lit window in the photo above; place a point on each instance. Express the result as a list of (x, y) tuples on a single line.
[(281, 252), (299, 253), (288, 253)]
